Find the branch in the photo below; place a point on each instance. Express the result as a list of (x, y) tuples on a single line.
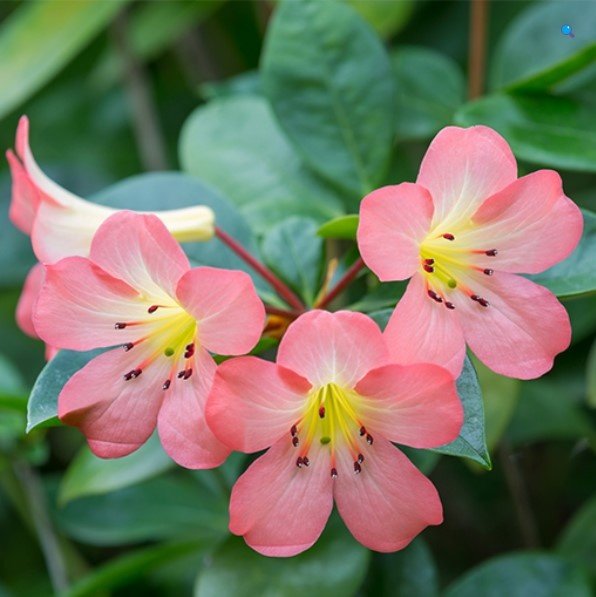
[(343, 283)]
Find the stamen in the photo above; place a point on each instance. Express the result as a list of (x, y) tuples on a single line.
[(448, 236), (128, 346), (132, 374), (299, 462), (483, 302), (474, 297), (449, 305), (488, 271), (428, 268), (295, 441), (190, 350), (369, 439), (334, 473), (491, 252), (322, 412), (360, 458), (357, 468), (305, 461), (362, 431), (429, 261), (181, 374), (433, 295), (187, 373), (293, 430), (120, 325), (153, 309), (166, 384)]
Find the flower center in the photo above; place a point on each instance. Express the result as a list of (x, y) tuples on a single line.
[(331, 419), (168, 332), (445, 264)]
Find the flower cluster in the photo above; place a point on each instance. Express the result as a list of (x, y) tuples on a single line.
[(341, 391)]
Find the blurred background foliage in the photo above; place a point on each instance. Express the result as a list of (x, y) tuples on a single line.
[(217, 90)]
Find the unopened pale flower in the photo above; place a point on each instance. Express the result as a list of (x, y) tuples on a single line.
[(330, 408), (61, 224), (462, 233)]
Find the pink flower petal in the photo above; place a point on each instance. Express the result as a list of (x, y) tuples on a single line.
[(116, 416), (79, 305), (230, 315), (182, 428), (520, 332), (531, 223), (393, 222), (339, 347), (389, 502), (254, 403), (462, 167), (281, 509), (28, 299), (415, 405), (422, 331), (24, 199), (139, 250)]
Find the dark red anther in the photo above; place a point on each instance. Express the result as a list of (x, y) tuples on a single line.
[(293, 430), (362, 431), (133, 374), (119, 325), (449, 305), (190, 350), (448, 236), (429, 261), (299, 462), (357, 468), (166, 384), (474, 297), (491, 252), (488, 271), (334, 473), (153, 309), (181, 374), (433, 295), (295, 441), (360, 458), (305, 461), (322, 412), (428, 268), (483, 302), (128, 346), (187, 373), (369, 439)]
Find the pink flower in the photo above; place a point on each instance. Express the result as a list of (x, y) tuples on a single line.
[(137, 290), (461, 233), (61, 224), (330, 409)]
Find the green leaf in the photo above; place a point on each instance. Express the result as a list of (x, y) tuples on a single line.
[(410, 572), (522, 575), (42, 410), (152, 29), (90, 475), (247, 83), (294, 251), (578, 540), (335, 565), (162, 508), (552, 131), (577, 274), (235, 144), (534, 54), (471, 442), (430, 88), (39, 38), (591, 376), (131, 566), (387, 18), (343, 227), (381, 317), (330, 83), (13, 393)]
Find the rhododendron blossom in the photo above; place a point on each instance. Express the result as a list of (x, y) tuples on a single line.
[(136, 290), (61, 224), (461, 233), (330, 408)]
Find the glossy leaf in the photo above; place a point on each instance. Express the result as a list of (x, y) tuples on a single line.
[(336, 565), (343, 227), (295, 252), (236, 145), (37, 41), (90, 475), (387, 18), (471, 442), (430, 88), (578, 540), (330, 84), (559, 132), (42, 408), (162, 508), (534, 54), (521, 575), (577, 274)]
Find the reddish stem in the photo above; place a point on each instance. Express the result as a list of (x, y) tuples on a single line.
[(343, 283), (281, 312), (281, 289)]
